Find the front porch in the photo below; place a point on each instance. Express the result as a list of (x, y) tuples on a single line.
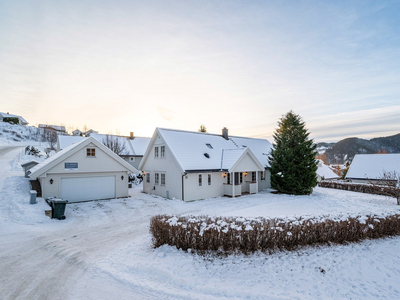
[(244, 183)]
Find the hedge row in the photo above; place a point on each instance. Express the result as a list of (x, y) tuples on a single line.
[(361, 188), (229, 235)]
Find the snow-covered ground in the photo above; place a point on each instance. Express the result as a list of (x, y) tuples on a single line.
[(103, 250)]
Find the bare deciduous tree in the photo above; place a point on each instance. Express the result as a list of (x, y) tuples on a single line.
[(115, 144), (391, 180)]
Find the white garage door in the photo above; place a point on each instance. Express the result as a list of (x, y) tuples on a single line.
[(88, 188)]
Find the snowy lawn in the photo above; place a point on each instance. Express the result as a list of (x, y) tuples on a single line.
[(103, 251)]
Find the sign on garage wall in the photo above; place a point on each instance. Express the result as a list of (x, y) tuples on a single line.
[(71, 165)]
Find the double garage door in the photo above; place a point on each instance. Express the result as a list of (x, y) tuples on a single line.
[(87, 188)]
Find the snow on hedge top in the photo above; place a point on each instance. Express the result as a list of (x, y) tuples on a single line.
[(203, 151), (372, 166)]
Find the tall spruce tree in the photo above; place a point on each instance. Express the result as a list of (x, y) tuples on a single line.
[(292, 158)]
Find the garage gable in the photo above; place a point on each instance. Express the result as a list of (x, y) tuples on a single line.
[(87, 156)]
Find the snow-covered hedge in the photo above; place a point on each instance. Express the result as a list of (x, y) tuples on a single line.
[(359, 187), (232, 234)]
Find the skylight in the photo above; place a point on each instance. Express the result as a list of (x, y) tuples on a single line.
[(207, 155), (209, 146)]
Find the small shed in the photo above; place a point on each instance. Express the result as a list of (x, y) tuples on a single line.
[(86, 170), (29, 165)]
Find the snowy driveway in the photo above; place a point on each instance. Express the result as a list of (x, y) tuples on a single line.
[(103, 251)]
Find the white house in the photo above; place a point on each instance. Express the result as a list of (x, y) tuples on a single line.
[(371, 167), (56, 128), (194, 165), (77, 132), (22, 121), (324, 172), (85, 170)]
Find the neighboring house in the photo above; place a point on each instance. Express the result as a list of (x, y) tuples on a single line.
[(89, 132), (77, 132), (324, 172), (194, 165), (63, 141), (56, 128), (135, 147), (22, 121), (86, 170), (371, 167)]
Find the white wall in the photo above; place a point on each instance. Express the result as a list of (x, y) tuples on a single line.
[(264, 184), (195, 192), (54, 190), (166, 165)]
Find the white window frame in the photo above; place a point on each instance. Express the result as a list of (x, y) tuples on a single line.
[(156, 178), (200, 180), (156, 152), (162, 179), (162, 151), (253, 176), (148, 177), (90, 152)]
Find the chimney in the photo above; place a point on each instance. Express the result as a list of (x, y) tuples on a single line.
[(8, 113), (131, 136), (225, 133)]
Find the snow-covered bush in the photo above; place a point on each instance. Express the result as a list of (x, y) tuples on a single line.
[(233, 234)]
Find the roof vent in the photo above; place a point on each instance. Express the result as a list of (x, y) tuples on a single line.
[(207, 155), (209, 146)]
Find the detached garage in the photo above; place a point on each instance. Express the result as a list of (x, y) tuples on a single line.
[(84, 171)]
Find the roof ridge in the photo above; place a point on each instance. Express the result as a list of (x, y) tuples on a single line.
[(189, 131)]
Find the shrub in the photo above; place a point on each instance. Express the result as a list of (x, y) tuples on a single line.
[(361, 188), (231, 234)]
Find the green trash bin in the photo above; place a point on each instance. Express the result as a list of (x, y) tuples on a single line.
[(58, 207)]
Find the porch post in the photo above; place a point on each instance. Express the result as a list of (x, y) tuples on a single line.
[(233, 184)]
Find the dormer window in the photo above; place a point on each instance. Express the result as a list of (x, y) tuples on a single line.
[(209, 146), (90, 152)]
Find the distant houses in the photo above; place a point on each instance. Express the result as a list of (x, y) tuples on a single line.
[(7, 117), (59, 129)]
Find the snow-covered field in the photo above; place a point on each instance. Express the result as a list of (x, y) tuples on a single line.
[(103, 250)]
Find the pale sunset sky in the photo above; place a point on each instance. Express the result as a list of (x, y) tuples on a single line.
[(137, 65)]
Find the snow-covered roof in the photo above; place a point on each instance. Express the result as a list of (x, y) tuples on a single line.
[(135, 147), (139, 145), (66, 140), (230, 157), (325, 172), (6, 115), (204, 151), (372, 166), (54, 159)]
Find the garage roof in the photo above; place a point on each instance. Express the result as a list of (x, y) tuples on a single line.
[(68, 151)]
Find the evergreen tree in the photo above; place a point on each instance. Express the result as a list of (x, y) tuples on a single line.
[(292, 159)]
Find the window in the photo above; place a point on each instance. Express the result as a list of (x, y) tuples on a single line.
[(236, 174), (209, 146), (200, 180), (263, 175), (147, 177), (209, 179), (162, 151), (156, 152), (162, 179), (241, 177), (156, 178), (132, 159), (253, 176), (91, 152), (228, 178)]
